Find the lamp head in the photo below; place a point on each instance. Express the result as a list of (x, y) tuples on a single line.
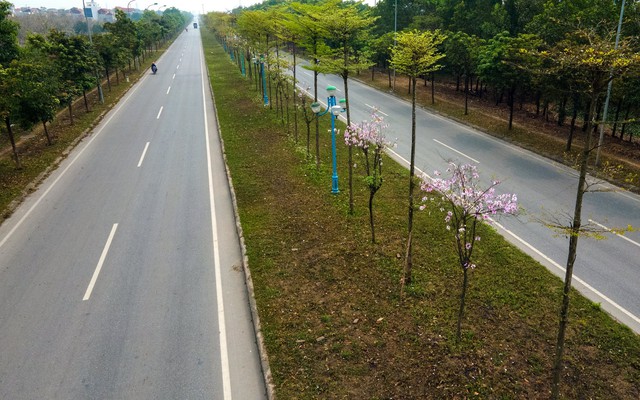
[(335, 110), (343, 104), (316, 107), (331, 90)]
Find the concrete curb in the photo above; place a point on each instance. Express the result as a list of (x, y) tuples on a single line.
[(262, 350)]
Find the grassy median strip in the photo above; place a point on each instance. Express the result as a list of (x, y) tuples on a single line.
[(334, 322)]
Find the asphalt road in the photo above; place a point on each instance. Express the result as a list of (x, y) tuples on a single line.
[(607, 271), (120, 277)]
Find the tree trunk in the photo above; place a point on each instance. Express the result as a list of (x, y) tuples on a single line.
[(46, 133), (12, 139), (86, 102), (433, 89), (512, 96), (345, 78), (389, 74), (538, 95), (573, 247), (463, 295), (615, 118), (466, 95), (624, 124), (70, 107), (373, 229), (315, 99), (408, 265), (295, 97), (373, 73), (106, 70), (562, 111), (574, 116)]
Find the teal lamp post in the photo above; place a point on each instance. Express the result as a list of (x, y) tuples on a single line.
[(335, 110), (265, 98)]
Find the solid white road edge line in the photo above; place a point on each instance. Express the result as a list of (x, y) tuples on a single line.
[(146, 146), (224, 353), (103, 256), (159, 112), (617, 234), (98, 132), (546, 258), (459, 152)]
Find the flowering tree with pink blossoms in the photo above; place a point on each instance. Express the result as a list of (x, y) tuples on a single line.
[(465, 203), (369, 137)]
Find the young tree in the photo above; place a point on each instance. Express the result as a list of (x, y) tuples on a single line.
[(415, 54), (590, 61), (467, 203), (369, 137), (311, 39), (462, 59), (346, 27)]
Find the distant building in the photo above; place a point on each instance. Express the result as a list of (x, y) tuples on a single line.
[(105, 15)]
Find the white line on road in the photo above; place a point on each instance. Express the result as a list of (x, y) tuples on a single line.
[(169, 89), (174, 76), (224, 353), (376, 108), (178, 67), (544, 256), (87, 294), (146, 146), (459, 152), (617, 234), (159, 112)]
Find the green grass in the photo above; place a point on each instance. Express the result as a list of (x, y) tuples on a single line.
[(334, 322)]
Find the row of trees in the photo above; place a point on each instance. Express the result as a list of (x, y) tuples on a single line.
[(50, 71), (522, 52)]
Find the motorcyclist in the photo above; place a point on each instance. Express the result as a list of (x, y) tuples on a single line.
[(154, 68)]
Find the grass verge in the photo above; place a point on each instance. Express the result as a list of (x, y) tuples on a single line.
[(334, 323)]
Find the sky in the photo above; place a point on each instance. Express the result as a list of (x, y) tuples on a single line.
[(192, 6)]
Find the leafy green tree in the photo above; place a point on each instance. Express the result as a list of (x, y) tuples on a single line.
[(8, 35), (505, 65), (415, 54), (345, 29), (35, 87), (7, 109), (462, 52), (589, 61)]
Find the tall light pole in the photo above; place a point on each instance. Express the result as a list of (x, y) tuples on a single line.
[(606, 102), (129, 9), (395, 33), (265, 97), (335, 110), (86, 18), (147, 7)]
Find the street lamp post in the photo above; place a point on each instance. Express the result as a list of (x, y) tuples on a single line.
[(129, 9), (265, 97), (335, 110), (147, 7)]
